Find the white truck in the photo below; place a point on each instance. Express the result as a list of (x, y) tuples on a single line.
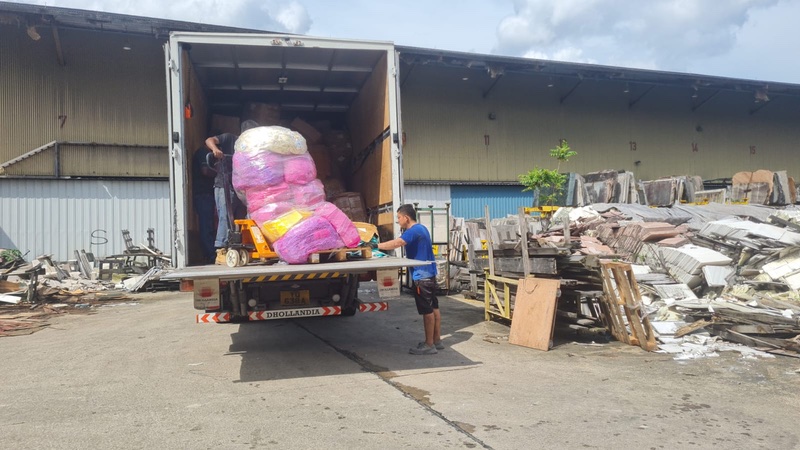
[(351, 84)]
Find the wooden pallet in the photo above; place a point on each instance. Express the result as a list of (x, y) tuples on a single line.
[(621, 295), (338, 254)]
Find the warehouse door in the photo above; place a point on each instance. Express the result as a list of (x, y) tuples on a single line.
[(468, 201)]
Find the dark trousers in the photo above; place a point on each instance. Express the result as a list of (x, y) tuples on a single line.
[(205, 206)]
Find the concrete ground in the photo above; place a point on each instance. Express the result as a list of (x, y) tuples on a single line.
[(144, 375)]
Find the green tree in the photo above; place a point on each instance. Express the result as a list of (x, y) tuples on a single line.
[(548, 183)]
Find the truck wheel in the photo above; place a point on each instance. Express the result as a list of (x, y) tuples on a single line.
[(350, 301)]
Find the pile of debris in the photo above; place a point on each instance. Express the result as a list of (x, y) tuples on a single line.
[(32, 292), (702, 273)]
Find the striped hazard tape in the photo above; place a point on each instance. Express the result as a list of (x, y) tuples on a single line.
[(373, 307), (213, 317), (294, 277)]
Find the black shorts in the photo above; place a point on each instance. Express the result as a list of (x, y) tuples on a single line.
[(425, 295)]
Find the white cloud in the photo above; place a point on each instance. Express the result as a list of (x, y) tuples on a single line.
[(293, 17), (665, 34)]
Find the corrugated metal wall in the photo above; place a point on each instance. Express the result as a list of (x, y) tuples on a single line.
[(430, 196), (469, 201), (446, 118), (59, 216), (426, 195), (101, 94)]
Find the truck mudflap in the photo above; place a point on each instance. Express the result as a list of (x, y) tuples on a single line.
[(319, 311)]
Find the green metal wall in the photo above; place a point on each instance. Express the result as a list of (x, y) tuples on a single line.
[(446, 119), (102, 94)]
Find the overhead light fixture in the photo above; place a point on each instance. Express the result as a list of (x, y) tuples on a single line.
[(550, 83), (627, 88), (283, 80), (32, 33), (465, 79), (127, 47), (694, 91), (761, 95), (495, 71)]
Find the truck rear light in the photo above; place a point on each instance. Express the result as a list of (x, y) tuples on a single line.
[(187, 285), (336, 298)]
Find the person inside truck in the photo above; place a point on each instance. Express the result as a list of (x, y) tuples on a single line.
[(417, 241), (222, 145), (203, 199)]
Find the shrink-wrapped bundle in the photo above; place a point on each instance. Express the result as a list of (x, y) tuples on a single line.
[(258, 197), (308, 195), (274, 139), (309, 236), (343, 226), (257, 169), (299, 169), (275, 229)]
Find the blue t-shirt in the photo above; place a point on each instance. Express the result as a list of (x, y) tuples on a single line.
[(418, 246)]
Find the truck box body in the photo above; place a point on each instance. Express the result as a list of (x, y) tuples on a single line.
[(349, 84), (348, 88)]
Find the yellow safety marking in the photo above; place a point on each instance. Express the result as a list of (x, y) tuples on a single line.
[(295, 277)]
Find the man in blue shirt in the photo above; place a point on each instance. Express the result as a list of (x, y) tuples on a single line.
[(417, 242)]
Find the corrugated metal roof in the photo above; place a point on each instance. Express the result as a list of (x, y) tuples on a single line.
[(60, 216), (38, 15), (639, 79)]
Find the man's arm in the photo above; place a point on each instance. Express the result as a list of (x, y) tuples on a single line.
[(391, 245), (213, 144)]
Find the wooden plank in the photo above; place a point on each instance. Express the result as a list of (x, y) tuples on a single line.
[(523, 240), (489, 243), (534, 313)]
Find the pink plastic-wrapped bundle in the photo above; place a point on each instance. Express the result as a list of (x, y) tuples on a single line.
[(258, 197), (341, 223), (257, 169), (299, 169), (270, 211), (308, 195), (312, 235)]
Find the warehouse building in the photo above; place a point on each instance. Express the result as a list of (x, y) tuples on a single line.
[(84, 114)]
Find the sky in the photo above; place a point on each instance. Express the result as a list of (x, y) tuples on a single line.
[(751, 39)]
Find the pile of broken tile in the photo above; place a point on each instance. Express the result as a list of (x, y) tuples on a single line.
[(709, 274)]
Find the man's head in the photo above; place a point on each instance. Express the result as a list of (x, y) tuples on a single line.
[(248, 124), (406, 216)]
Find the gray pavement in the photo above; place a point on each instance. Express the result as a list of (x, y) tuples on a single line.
[(144, 375)]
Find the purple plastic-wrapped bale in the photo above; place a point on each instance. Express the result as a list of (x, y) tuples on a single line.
[(299, 169), (309, 195), (252, 170), (258, 197), (270, 211), (344, 227), (312, 235)]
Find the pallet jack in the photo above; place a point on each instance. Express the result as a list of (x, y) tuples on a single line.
[(246, 242)]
